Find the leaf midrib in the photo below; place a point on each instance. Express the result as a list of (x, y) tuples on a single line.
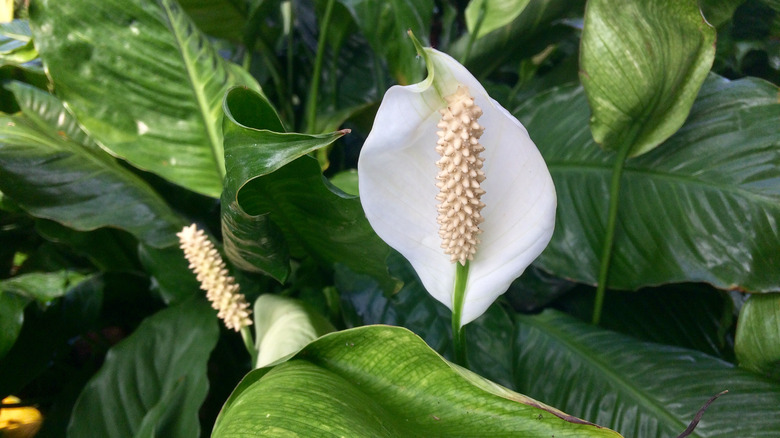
[(657, 175), (633, 391), (210, 125)]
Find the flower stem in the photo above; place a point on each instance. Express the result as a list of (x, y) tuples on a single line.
[(473, 34), (609, 237), (249, 343), (458, 297), (314, 89)]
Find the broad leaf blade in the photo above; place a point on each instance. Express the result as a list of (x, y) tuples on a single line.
[(638, 388), (699, 208), (758, 335), (642, 63), (383, 381), (150, 93), (46, 165), (271, 179), (157, 375)]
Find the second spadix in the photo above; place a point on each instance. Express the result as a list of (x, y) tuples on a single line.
[(409, 185)]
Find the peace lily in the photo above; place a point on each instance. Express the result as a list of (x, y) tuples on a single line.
[(454, 183)]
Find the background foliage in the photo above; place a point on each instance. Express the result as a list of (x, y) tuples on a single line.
[(122, 121)]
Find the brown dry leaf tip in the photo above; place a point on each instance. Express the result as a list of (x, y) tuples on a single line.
[(460, 176), (221, 289)]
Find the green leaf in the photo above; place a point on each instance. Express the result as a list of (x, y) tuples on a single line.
[(642, 63), (150, 93), (758, 335), (385, 26), (11, 319), (16, 46), (383, 381), (46, 167), (638, 388), (270, 179), (42, 287), (155, 380), (493, 14), (701, 207), (283, 326)]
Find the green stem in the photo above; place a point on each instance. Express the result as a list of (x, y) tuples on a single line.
[(458, 297), (609, 237), (249, 343), (314, 89), (474, 33)]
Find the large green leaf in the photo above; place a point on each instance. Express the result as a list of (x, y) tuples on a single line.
[(492, 14), (385, 25), (702, 207), (642, 63), (152, 383), (383, 381), (639, 389), (53, 171), (758, 335), (143, 81), (270, 179)]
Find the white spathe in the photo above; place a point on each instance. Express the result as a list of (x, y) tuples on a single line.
[(397, 182)]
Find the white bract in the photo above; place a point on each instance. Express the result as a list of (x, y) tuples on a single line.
[(398, 177)]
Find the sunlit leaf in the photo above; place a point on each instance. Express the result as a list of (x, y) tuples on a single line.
[(758, 335), (642, 63), (383, 381)]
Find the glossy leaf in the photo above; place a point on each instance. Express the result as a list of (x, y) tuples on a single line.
[(638, 388), (493, 14), (283, 326), (151, 93), (642, 63), (153, 381), (702, 207), (758, 335), (719, 12), (383, 381), (42, 287), (270, 179), (385, 25), (48, 166)]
